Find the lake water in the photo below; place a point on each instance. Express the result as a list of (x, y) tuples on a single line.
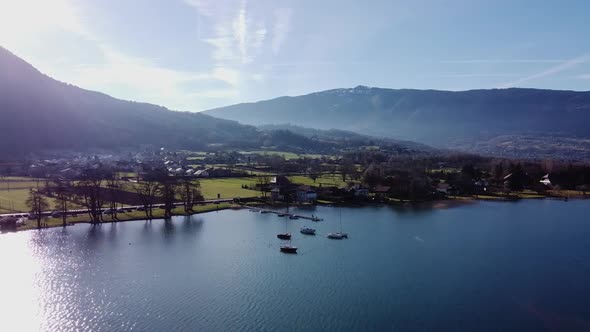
[(521, 266)]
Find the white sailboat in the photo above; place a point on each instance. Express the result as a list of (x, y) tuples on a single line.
[(338, 235)]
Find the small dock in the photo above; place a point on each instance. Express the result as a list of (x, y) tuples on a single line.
[(286, 215)]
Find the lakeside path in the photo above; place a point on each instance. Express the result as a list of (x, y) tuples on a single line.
[(126, 216)]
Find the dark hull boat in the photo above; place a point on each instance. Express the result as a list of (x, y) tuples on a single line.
[(284, 236), (288, 249)]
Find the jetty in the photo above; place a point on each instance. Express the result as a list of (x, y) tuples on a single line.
[(282, 213)]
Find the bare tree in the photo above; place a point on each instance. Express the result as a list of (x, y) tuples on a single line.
[(189, 192), (347, 169), (112, 193), (168, 190), (147, 190), (91, 193), (37, 205), (314, 172), (62, 190), (262, 181)]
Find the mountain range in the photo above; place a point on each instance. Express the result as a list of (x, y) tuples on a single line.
[(514, 121), (39, 113)]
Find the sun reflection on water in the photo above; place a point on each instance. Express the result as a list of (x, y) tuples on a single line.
[(20, 300)]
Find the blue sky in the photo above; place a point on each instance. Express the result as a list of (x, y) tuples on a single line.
[(193, 55)]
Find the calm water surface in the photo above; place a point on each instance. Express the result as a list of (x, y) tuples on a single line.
[(485, 267)]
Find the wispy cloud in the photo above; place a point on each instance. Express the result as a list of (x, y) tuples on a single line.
[(467, 61), (248, 35), (281, 28), (237, 35), (563, 66), (584, 76), (110, 70), (123, 75), (228, 75), (318, 63), (480, 75)]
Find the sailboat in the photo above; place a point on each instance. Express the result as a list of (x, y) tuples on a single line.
[(286, 235), (307, 230), (338, 235), (287, 248)]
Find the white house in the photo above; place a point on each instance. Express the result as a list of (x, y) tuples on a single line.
[(545, 180), (306, 194)]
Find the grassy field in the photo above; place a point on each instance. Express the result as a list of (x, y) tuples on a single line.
[(228, 188), (14, 201), (235, 168), (569, 193), (324, 180), (21, 184), (195, 158), (19, 178), (126, 174), (284, 154), (196, 155), (257, 172), (445, 170)]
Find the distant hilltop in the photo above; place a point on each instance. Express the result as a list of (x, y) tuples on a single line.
[(472, 120)]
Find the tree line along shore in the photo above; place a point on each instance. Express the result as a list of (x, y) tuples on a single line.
[(178, 183)]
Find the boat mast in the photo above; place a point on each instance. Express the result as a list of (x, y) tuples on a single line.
[(341, 219)]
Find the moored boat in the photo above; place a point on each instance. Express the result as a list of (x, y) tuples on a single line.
[(335, 236), (338, 235), (284, 236), (293, 217), (307, 230), (288, 249), (281, 215)]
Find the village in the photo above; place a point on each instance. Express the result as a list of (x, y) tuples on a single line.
[(182, 179)]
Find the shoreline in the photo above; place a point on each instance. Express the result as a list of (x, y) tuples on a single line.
[(451, 202), (113, 221)]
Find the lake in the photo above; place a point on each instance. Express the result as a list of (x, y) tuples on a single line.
[(522, 266)]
